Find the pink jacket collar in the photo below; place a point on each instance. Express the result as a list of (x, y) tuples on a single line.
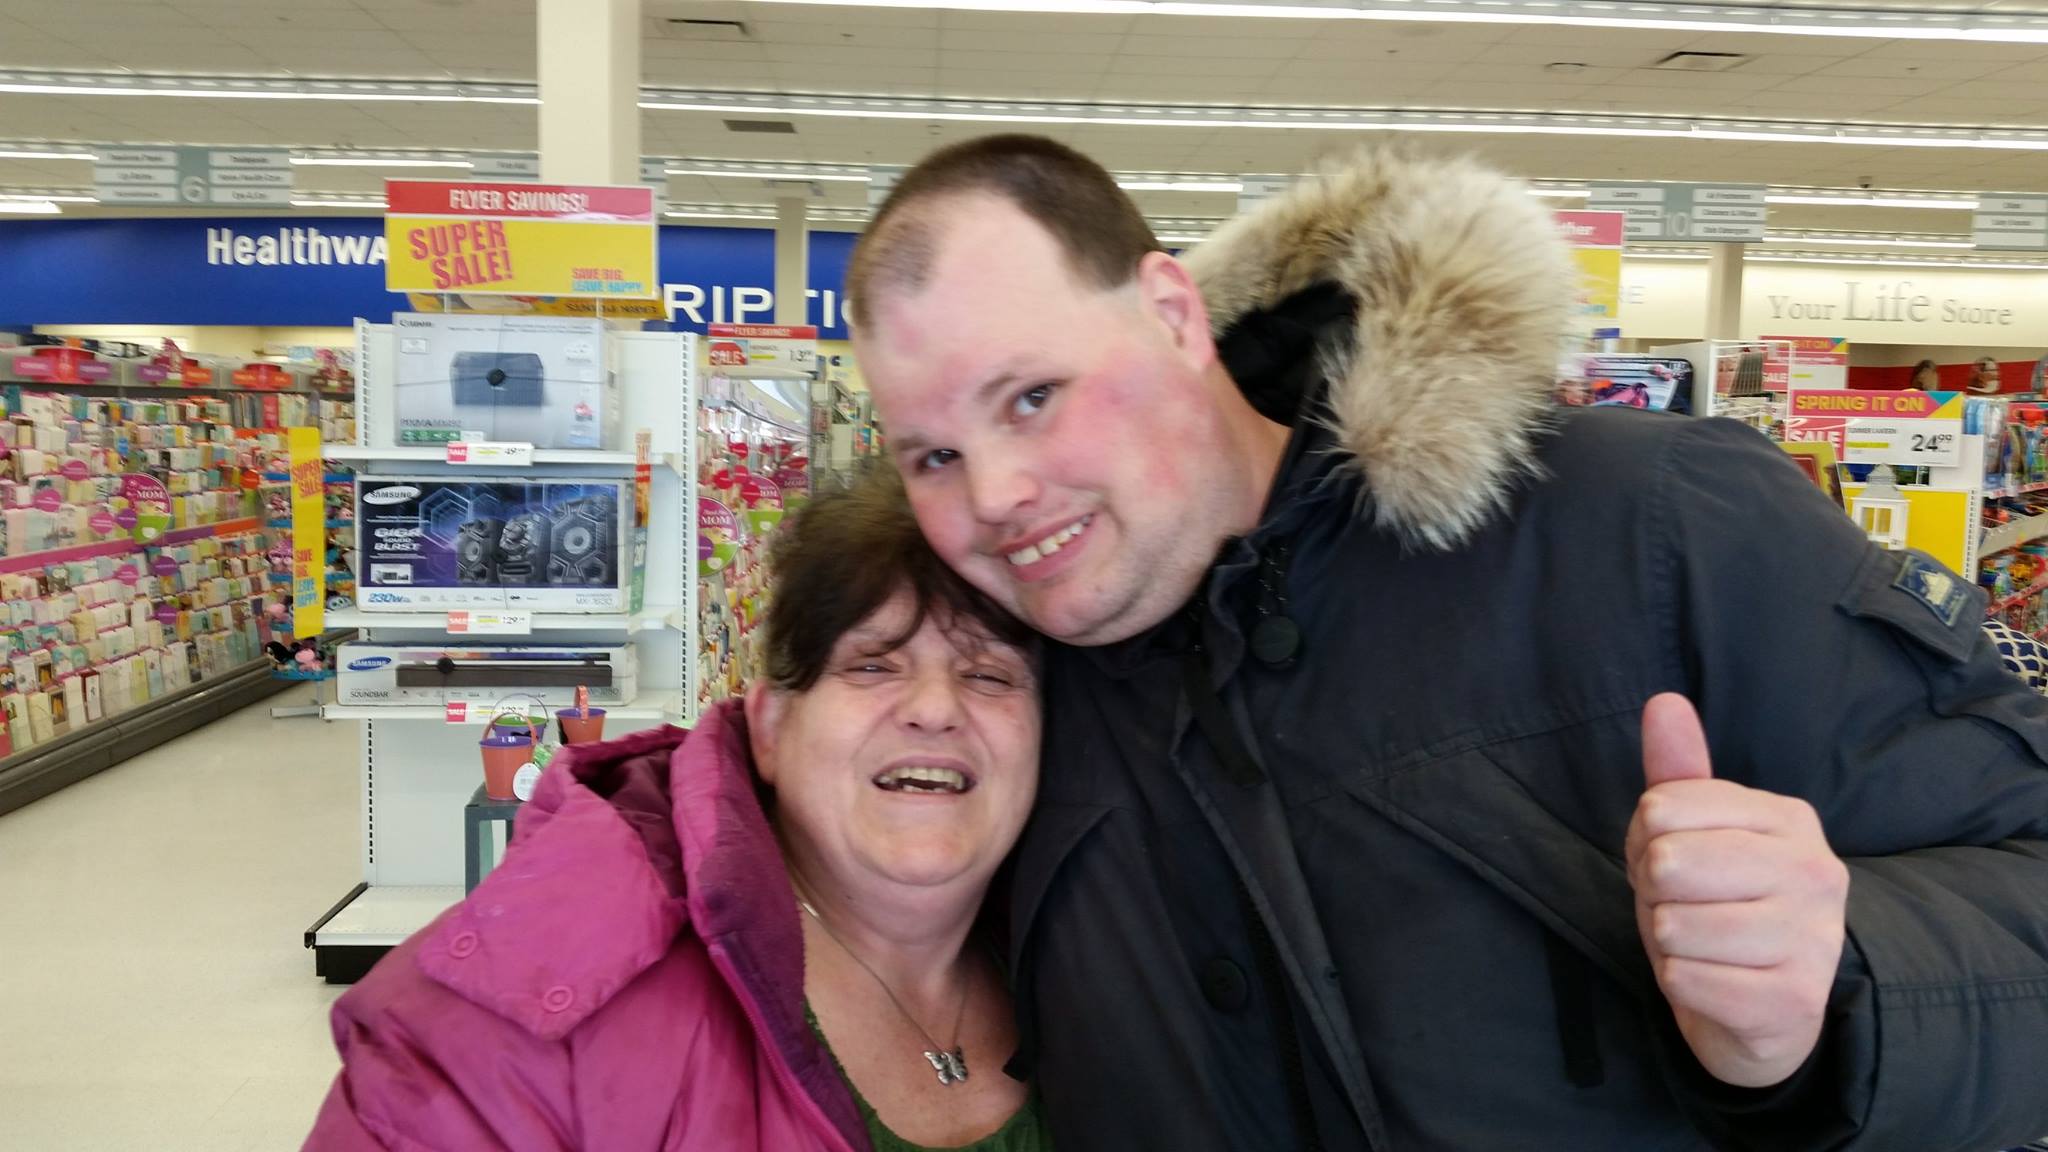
[(624, 844)]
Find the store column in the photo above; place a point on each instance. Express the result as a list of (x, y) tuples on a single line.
[(1724, 291), (589, 91), (792, 255)]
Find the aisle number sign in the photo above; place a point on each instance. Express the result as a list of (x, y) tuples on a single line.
[(508, 238), (1881, 427), (1686, 213), (309, 530), (1595, 239)]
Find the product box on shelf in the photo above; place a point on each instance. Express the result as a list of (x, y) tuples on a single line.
[(432, 543), (534, 379), (484, 673)]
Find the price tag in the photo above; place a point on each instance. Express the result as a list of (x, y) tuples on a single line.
[(456, 712), (1935, 443), (497, 453), (466, 623)]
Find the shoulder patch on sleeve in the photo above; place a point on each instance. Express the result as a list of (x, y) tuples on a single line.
[(1936, 588)]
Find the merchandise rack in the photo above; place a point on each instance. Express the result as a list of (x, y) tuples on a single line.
[(30, 773), (418, 770)]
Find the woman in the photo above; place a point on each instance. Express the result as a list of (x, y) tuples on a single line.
[(755, 935), (1984, 377)]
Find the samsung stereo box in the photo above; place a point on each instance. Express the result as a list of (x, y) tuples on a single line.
[(533, 379), (434, 543), (484, 673)]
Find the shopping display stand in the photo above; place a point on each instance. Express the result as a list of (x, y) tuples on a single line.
[(262, 397), (419, 765)]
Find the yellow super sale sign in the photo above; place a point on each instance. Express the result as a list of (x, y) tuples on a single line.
[(520, 239)]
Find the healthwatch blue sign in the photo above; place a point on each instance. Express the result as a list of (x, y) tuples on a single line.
[(291, 271)]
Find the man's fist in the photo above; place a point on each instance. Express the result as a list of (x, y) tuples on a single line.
[(1740, 901)]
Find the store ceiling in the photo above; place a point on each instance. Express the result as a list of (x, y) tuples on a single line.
[(793, 48)]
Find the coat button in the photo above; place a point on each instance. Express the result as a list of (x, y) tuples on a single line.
[(1275, 640), (1223, 984), (463, 944), (558, 998)]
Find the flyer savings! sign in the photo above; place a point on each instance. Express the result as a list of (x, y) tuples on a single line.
[(516, 239)]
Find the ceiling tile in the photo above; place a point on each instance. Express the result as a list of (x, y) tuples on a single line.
[(1206, 48), (1044, 43)]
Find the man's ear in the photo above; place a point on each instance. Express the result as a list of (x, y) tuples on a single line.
[(765, 708), (1170, 294)]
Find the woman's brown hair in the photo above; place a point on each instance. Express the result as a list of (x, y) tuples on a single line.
[(843, 556)]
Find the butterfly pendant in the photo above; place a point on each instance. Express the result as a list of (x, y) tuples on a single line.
[(951, 1066)]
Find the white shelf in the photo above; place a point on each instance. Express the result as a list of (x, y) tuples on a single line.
[(645, 708), (438, 454), (385, 914), (651, 618), (2014, 534)]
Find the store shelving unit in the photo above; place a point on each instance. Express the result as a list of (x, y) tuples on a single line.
[(38, 770), (418, 770)]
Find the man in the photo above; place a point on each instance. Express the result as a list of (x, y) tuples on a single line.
[(1425, 767)]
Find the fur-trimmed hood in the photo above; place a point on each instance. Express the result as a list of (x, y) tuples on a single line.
[(1463, 293)]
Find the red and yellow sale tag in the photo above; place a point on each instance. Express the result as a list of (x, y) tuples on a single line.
[(493, 238)]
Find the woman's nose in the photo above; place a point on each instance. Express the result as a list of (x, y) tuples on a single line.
[(933, 702)]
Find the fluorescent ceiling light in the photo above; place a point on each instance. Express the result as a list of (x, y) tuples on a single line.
[(1693, 18), (847, 177), (675, 215), (1181, 185), (1180, 239), (49, 198), (1959, 205), (29, 208), (1634, 255), (1560, 193), (1992, 265), (378, 204), (376, 162), (1863, 241), (1448, 121), (37, 83), (30, 154)]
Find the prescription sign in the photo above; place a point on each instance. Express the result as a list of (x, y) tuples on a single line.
[(514, 239), (1880, 427)]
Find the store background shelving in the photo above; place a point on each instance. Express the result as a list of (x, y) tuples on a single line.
[(218, 623)]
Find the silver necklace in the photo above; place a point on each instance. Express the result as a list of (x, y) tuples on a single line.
[(949, 1063)]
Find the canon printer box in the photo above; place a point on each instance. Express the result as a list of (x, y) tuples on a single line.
[(540, 380), (433, 543)]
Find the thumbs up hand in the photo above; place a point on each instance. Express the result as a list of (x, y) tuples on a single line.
[(1741, 904)]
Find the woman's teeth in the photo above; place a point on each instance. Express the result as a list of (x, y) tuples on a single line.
[(918, 778), (1033, 553)]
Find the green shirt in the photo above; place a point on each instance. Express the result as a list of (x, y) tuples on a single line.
[(1023, 1132)]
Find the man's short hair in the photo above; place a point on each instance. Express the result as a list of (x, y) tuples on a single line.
[(1102, 233), (840, 558)]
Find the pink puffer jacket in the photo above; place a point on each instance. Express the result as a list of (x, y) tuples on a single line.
[(629, 978)]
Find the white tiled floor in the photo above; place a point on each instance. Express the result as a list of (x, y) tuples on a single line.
[(154, 993)]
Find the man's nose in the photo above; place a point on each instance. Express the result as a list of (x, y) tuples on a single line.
[(1000, 483)]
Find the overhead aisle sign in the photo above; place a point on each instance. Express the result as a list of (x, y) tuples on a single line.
[(2012, 223), (1686, 213), (516, 239), (194, 177)]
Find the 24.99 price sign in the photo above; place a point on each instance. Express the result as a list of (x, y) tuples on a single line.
[(510, 239), (1881, 427)]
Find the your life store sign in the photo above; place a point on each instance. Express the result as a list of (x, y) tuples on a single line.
[(1881, 427), (517, 239)]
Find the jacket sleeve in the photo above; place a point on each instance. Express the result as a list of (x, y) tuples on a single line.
[(423, 1070), (1861, 681)]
